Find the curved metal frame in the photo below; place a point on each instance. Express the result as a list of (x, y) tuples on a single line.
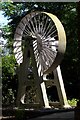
[(61, 38), (61, 44)]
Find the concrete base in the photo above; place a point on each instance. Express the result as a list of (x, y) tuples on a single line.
[(25, 114)]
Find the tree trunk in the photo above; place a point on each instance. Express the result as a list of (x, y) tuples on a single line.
[(77, 109)]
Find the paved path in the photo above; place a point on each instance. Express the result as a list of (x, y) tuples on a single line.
[(43, 114), (57, 116)]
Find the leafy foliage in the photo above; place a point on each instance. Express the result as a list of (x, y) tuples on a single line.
[(9, 81), (67, 14), (73, 102)]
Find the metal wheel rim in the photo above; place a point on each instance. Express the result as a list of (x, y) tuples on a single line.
[(50, 40)]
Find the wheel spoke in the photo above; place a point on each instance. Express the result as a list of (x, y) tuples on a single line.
[(50, 30), (49, 56), (45, 30), (36, 23), (45, 24)]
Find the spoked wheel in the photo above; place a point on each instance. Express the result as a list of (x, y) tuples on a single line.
[(50, 40)]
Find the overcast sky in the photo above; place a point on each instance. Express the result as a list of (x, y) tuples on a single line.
[(3, 20)]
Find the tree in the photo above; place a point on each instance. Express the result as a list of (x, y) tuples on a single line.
[(9, 81), (67, 14), (77, 109)]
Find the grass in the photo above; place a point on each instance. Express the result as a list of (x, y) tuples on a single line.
[(73, 102)]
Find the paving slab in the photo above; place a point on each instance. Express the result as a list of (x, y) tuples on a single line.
[(57, 116)]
